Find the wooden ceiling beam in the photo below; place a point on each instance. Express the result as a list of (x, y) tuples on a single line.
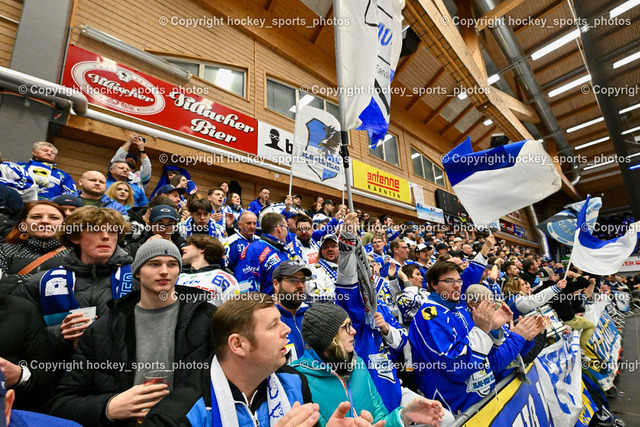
[(559, 60), (523, 111), (544, 12), (456, 119), (438, 110), (469, 130), (497, 12), (482, 138), (320, 28), (432, 81), (565, 99), (577, 111), (427, 19), (401, 66)]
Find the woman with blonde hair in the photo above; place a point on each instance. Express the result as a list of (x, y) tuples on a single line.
[(122, 193), (520, 297), (336, 374)]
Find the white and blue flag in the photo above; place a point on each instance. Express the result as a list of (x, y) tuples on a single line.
[(368, 40), (602, 257), (492, 183), (317, 142), (563, 225)]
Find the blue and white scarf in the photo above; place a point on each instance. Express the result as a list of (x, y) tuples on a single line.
[(223, 409), (57, 286)]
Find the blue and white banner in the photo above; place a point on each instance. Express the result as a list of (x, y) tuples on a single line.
[(316, 148), (563, 225), (605, 343), (602, 257), (368, 36), (493, 183), (560, 370)]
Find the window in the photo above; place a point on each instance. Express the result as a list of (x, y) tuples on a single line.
[(424, 168), (223, 76), (282, 98), (387, 150)]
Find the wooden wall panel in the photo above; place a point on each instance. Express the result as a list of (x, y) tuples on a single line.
[(10, 10)]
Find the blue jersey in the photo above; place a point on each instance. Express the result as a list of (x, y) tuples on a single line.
[(257, 262), (51, 181), (370, 346), (295, 344), (450, 355), (233, 247)]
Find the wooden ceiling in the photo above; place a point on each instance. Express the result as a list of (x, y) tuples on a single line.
[(450, 57)]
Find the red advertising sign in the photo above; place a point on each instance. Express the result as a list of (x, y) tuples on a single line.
[(121, 89)]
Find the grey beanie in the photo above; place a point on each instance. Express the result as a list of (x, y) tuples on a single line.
[(321, 324), (154, 248)]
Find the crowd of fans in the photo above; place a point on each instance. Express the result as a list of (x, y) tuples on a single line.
[(270, 314)]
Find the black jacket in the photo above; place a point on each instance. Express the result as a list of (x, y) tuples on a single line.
[(562, 302), (92, 287), (23, 338), (83, 393)]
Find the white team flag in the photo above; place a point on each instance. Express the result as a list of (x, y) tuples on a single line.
[(316, 146), (601, 257), (493, 183), (368, 40)]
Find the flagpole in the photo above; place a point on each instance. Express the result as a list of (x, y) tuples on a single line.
[(567, 272), (344, 152)]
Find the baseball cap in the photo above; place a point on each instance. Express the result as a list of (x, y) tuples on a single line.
[(68, 200), (422, 247), (545, 273), (297, 196), (318, 218), (441, 246), (166, 189), (328, 237), (132, 156), (290, 267), (328, 202), (162, 211)]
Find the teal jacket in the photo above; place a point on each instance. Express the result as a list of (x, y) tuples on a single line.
[(328, 390)]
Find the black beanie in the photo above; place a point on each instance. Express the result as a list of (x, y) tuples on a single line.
[(321, 324)]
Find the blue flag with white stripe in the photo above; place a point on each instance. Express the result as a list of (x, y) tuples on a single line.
[(493, 183), (602, 257)]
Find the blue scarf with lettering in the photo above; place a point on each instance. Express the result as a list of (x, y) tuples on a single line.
[(57, 287)]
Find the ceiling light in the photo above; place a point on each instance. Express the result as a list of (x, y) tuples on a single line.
[(462, 95), (633, 155), (585, 124), (555, 44), (597, 165), (626, 60), (634, 167), (631, 130), (487, 122), (494, 78), (623, 8), (589, 144), (415, 155), (626, 110), (140, 54), (569, 85)]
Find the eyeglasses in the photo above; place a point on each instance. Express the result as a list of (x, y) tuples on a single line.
[(296, 280), (347, 327), (451, 282), (283, 225)]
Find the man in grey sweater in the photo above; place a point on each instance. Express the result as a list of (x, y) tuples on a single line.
[(161, 327)]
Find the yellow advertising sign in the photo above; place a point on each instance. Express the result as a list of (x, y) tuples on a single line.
[(374, 180)]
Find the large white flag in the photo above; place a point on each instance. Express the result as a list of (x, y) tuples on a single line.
[(493, 183), (368, 39), (316, 147), (602, 257)]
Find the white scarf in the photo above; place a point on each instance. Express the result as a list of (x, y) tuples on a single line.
[(277, 400)]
